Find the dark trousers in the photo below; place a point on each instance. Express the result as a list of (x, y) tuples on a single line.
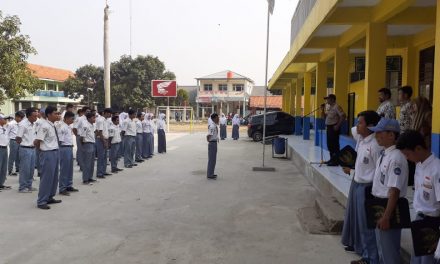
[(212, 158), (333, 141)]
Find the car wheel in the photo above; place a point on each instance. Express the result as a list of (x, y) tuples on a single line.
[(257, 136)]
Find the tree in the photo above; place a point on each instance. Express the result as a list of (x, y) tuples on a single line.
[(89, 82), (16, 80), (182, 98)]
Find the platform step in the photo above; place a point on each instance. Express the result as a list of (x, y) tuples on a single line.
[(331, 213)]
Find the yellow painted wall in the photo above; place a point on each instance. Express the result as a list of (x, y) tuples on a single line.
[(358, 89)]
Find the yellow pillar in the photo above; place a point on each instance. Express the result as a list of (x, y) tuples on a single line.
[(375, 66), (307, 104), (298, 108), (321, 92), (284, 99), (341, 73), (288, 96), (436, 95), (410, 69)]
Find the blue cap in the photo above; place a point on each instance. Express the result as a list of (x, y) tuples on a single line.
[(386, 124)]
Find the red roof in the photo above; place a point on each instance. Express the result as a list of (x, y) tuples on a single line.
[(272, 101), (44, 72)]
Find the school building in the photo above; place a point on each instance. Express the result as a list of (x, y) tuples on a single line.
[(353, 48)]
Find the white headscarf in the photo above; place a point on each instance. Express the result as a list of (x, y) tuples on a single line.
[(236, 120), (223, 120)]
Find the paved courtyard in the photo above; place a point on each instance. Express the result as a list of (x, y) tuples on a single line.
[(166, 211)]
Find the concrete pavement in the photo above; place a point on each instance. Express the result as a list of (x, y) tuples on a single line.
[(166, 211)]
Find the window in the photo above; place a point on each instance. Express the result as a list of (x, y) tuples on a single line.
[(238, 87), (207, 87), (51, 87), (222, 87)]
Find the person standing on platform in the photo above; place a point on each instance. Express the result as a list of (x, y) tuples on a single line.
[(87, 139), (213, 140), (129, 139), (139, 137), (236, 127), (223, 126), (115, 142), (4, 142), (13, 145), (334, 117), (47, 142), (161, 138), (386, 108), (26, 137), (102, 142), (355, 234), (65, 135), (426, 201), (390, 182)]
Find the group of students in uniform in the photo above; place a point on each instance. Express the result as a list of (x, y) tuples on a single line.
[(45, 140), (381, 172)]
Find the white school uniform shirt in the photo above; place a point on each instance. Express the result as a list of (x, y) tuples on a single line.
[(129, 126), (368, 153), (161, 124), (78, 123), (26, 131), (213, 132), (12, 129), (115, 133), (88, 132), (146, 126), (65, 134), (4, 139), (223, 120), (391, 171), (427, 187), (102, 124), (139, 128), (47, 135)]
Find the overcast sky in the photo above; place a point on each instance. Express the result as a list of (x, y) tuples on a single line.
[(193, 37)]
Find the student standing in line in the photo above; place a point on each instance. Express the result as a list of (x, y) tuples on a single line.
[(115, 143), (76, 124), (223, 125), (102, 142), (368, 154), (65, 135), (161, 138), (4, 142), (236, 127), (129, 139), (390, 182), (213, 140), (87, 139), (13, 145), (153, 128), (26, 137), (146, 136), (47, 143), (426, 201), (139, 137)]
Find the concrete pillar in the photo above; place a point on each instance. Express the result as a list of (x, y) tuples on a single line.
[(244, 106), (227, 108), (375, 66), (307, 105), (298, 107), (321, 92), (410, 69), (436, 95), (341, 73)]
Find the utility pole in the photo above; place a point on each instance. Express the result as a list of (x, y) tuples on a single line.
[(106, 58)]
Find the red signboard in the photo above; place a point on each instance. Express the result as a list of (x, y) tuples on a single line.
[(163, 88)]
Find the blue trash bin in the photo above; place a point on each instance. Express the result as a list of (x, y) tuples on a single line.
[(279, 145)]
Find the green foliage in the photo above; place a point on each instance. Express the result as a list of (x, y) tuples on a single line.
[(16, 79), (182, 98)]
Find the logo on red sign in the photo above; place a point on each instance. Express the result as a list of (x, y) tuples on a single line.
[(163, 88)]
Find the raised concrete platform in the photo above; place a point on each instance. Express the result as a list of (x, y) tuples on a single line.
[(332, 182)]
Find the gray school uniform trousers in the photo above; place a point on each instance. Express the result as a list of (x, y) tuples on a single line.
[(129, 149), (88, 151), (114, 155), (79, 151), (101, 165), (66, 167), (212, 157), (13, 156), (49, 161), (139, 144), (152, 144), (27, 167), (3, 164), (388, 245)]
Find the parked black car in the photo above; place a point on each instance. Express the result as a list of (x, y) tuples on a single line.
[(277, 123)]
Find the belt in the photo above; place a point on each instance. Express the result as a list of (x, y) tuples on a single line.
[(139, 133), (66, 146), (422, 215), (212, 141), (129, 136), (49, 150), (116, 143), (3, 146), (12, 139), (30, 147), (89, 143)]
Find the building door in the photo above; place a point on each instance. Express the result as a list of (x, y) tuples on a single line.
[(426, 73)]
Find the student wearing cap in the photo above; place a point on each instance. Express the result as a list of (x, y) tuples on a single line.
[(115, 142), (355, 221), (390, 182), (4, 142), (47, 142), (13, 145), (334, 117), (213, 140), (65, 135), (426, 201), (87, 139), (26, 137), (102, 136), (139, 137), (129, 139)]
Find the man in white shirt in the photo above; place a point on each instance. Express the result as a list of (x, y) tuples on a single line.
[(77, 127), (13, 145), (390, 182), (25, 137), (65, 135), (4, 142), (87, 139), (368, 152), (212, 139), (102, 143), (139, 137), (129, 133), (426, 201), (47, 142), (115, 143)]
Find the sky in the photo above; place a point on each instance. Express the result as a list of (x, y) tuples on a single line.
[(193, 38)]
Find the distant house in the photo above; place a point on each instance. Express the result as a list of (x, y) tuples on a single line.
[(223, 92), (274, 103), (50, 93)]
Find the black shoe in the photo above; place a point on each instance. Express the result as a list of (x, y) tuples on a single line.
[(114, 171), (118, 169), (53, 201), (65, 193), (360, 261), (101, 177), (43, 206), (92, 180), (107, 174), (349, 249), (129, 166), (71, 189), (140, 161), (213, 177), (134, 164), (3, 187)]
